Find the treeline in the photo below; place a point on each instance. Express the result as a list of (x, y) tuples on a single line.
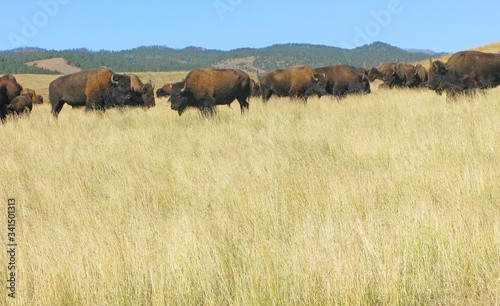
[(8, 65), (160, 58)]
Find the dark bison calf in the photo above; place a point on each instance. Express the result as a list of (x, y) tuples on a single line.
[(206, 88), (20, 104)]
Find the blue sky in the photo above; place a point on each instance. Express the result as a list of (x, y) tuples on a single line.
[(228, 24)]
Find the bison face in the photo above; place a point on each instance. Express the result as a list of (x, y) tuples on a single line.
[(434, 82), (374, 74), (437, 74), (148, 95), (38, 99), (391, 78), (318, 85), (119, 91), (363, 85), (256, 91), (412, 78), (180, 97)]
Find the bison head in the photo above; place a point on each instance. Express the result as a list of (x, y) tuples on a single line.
[(412, 78), (374, 74), (437, 74), (164, 91), (317, 86), (181, 97), (391, 78), (119, 91), (362, 86), (255, 89), (148, 95), (38, 99)]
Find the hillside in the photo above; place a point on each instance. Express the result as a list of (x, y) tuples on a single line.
[(160, 58), (55, 64)]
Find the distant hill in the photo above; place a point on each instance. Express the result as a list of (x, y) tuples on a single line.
[(161, 58), (426, 52)]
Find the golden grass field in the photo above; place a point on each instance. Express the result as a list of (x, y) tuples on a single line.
[(388, 198)]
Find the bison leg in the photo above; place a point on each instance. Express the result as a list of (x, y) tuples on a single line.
[(95, 103), (243, 104), (266, 94), (300, 96), (207, 110), (56, 107)]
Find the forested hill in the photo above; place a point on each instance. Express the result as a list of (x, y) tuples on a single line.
[(159, 58)]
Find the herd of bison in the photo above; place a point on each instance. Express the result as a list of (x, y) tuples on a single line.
[(99, 89)]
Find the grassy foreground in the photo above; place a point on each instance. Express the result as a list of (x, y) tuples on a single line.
[(389, 198)]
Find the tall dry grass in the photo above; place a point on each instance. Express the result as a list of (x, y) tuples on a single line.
[(387, 198)]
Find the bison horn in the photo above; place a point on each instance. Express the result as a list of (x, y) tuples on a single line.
[(113, 79), (184, 89)]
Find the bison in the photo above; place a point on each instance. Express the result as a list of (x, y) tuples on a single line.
[(464, 72), (342, 80), (20, 104), (143, 94), (164, 91), (295, 82), (206, 88), (93, 88)]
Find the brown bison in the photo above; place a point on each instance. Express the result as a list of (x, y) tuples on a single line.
[(342, 80), (164, 91), (206, 88), (464, 72), (92, 88), (36, 99), (20, 104), (143, 94), (295, 82)]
